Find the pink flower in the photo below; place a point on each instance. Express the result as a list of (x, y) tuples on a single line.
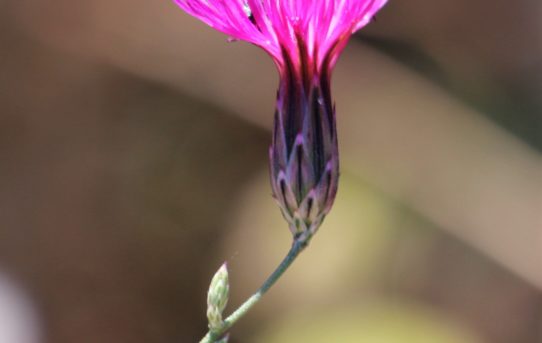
[(323, 27), (305, 38)]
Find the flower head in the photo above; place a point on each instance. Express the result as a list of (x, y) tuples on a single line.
[(305, 38)]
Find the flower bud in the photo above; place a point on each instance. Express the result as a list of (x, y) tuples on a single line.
[(217, 297)]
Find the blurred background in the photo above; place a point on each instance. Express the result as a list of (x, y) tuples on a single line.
[(133, 162)]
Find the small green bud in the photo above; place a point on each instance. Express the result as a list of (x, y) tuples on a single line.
[(217, 298)]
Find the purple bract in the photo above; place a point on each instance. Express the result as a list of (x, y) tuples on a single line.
[(305, 38)]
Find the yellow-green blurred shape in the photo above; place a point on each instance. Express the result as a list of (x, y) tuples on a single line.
[(342, 256), (392, 322)]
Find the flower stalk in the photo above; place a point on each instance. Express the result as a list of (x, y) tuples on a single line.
[(213, 335)]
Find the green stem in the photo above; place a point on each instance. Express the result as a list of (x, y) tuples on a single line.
[(296, 248)]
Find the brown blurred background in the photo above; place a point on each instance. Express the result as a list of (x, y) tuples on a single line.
[(133, 144)]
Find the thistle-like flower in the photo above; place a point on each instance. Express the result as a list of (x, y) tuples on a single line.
[(305, 39)]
